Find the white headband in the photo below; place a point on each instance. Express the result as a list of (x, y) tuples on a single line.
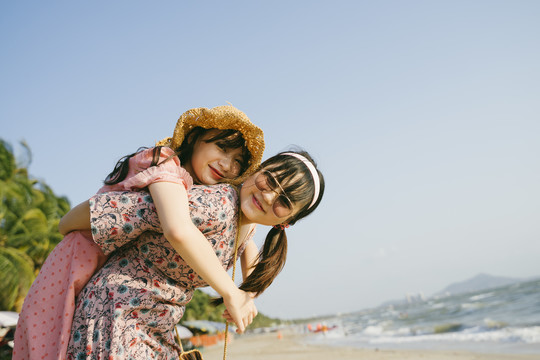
[(314, 174)]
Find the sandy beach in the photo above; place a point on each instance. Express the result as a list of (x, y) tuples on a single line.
[(290, 346)]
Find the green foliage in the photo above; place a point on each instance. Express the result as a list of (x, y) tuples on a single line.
[(29, 216), (200, 308), (17, 275), (262, 321)]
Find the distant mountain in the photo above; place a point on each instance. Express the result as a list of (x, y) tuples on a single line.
[(478, 283)]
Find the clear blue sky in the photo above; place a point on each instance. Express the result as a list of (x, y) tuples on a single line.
[(423, 115)]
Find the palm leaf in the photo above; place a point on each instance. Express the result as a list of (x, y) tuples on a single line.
[(29, 215), (17, 271)]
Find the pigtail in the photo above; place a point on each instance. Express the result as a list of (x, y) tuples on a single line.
[(270, 262)]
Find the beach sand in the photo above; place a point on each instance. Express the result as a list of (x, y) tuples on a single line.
[(290, 346)]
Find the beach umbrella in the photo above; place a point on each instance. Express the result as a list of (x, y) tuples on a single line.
[(201, 325), (183, 332), (221, 326), (8, 318)]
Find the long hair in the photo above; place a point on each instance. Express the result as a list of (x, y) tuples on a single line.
[(300, 189), (227, 139)]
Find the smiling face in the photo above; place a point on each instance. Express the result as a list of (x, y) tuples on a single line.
[(212, 163), (264, 201)]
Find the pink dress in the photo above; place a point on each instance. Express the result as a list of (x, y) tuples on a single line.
[(129, 308), (43, 330)]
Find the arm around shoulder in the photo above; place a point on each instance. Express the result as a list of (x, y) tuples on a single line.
[(172, 206)]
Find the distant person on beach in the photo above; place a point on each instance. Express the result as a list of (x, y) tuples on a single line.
[(213, 145), (131, 305)]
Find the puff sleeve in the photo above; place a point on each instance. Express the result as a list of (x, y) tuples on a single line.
[(116, 218), (168, 170), (141, 173)]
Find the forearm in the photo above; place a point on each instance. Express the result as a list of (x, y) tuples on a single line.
[(201, 257), (171, 203), (197, 252), (173, 211)]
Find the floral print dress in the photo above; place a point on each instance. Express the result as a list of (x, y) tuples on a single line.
[(44, 325), (130, 307)]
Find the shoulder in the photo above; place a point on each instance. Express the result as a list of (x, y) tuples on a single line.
[(144, 158), (222, 195), (214, 206)]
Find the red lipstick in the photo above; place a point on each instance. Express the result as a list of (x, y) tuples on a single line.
[(217, 174), (256, 203)]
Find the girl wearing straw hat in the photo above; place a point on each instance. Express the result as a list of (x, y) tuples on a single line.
[(214, 145), (132, 304)]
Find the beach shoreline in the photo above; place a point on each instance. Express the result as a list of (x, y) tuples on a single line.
[(287, 345)]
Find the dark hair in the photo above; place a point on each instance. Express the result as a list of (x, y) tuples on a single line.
[(272, 257), (300, 189), (227, 139), (121, 168)]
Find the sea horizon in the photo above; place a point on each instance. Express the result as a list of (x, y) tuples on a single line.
[(504, 319)]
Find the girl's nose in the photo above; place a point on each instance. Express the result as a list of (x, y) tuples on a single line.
[(269, 196), (225, 163)]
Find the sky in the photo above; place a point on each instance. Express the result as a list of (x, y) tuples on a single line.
[(422, 115)]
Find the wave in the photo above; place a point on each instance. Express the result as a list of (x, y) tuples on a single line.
[(510, 340), (506, 335), (495, 320)]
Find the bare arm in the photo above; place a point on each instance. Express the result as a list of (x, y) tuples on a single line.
[(171, 203), (78, 218), (248, 258)]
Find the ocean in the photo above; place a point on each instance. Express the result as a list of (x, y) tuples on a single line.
[(499, 320)]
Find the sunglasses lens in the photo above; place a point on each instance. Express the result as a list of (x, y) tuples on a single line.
[(282, 207), (265, 181), (261, 181), (271, 181)]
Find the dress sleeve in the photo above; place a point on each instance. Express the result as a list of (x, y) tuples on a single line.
[(119, 217), (168, 170)]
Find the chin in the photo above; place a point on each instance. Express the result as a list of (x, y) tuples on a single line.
[(210, 181)]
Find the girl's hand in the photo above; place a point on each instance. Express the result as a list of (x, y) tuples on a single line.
[(241, 309)]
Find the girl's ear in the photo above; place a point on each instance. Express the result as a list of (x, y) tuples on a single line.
[(191, 136)]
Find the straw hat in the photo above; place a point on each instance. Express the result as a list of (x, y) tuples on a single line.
[(220, 117)]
